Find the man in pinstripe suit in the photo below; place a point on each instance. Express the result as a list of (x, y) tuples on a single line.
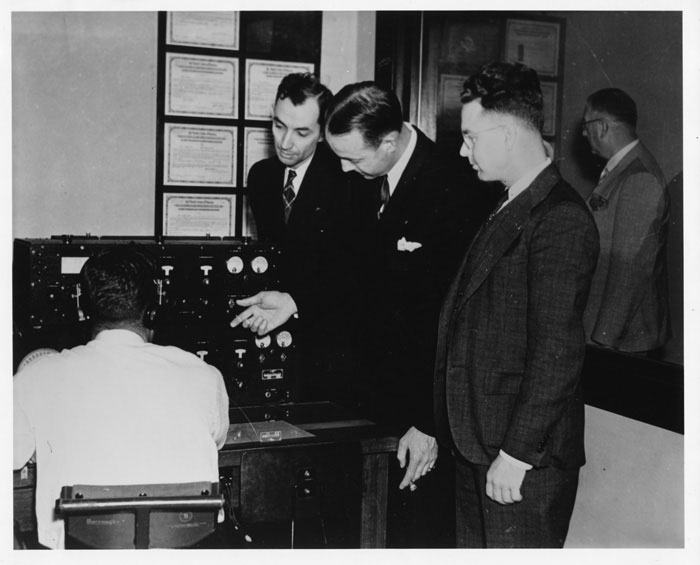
[(511, 342)]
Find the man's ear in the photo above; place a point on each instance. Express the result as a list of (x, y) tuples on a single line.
[(510, 134), (390, 141)]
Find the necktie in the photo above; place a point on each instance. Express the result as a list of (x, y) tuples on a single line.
[(288, 194), (499, 204), (597, 202), (384, 194)]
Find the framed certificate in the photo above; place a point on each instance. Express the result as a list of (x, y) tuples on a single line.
[(533, 43), (216, 30), (199, 215), (258, 145), (549, 99), (196, 85), (199, 155), (262, 80)]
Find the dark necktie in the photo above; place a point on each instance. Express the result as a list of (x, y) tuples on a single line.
[(288, 194), (501, 201), (384, 194)]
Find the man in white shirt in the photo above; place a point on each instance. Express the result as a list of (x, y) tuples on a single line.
[(628, 304), (118, 410)]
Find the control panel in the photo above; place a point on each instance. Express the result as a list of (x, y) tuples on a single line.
[(197, 285)]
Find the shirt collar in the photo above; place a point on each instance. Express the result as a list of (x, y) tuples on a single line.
[(300, 170), (614, 161), (120, 336), (526, 180), (394, 175)]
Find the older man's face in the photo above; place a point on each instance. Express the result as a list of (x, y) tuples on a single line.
[(591, 129)]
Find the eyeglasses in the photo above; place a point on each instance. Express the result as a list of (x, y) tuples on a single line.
[(584, 125), (470, 138)]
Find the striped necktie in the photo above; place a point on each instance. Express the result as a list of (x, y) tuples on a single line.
[(384, 194), (288, 194)]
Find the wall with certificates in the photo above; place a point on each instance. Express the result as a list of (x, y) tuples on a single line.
[(218, 74), (456, 44)]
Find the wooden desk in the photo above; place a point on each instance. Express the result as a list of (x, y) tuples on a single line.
[(328, 424)]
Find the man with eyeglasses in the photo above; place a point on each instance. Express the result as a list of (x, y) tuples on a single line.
[(628, 304), (508, 399)]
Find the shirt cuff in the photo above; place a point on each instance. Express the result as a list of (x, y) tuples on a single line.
[(517, 462)]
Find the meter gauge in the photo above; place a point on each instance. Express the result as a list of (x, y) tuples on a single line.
[(284, 339), (263, 342), (259, 264), (234, 264)]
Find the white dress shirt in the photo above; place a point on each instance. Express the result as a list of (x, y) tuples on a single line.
[(116, 411)]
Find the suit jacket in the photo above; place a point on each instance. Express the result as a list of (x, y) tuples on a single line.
[(314, 236), (314, 268), (430, 206), (510, 340), (628, 304)]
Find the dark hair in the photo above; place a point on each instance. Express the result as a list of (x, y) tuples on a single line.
[(299, 87), (615, 103), (507, 88), (366, 107), (118, 285)]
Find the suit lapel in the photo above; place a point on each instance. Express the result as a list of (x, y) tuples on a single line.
[(402, 192), (497, 235), (605, 187)]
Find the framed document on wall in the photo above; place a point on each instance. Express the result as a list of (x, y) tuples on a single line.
[(199, 215), (196, 85), (199, 155), (213, 30), (533, 43)]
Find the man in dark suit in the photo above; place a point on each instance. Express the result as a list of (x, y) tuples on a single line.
[(416, 219), (299, 201), (511, 342), (628, 305)]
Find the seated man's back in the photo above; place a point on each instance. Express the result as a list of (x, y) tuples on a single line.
[(118, 410)]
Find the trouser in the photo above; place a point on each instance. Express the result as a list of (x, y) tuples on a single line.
[(423, 518), (540, 520)]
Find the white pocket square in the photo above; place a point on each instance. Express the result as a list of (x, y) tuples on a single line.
[(403, 245)]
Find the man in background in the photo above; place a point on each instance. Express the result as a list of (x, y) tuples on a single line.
[(508, 399), (118, 410), (628, 305), (299, 200)]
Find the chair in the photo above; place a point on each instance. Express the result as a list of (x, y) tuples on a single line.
[(139, 516)]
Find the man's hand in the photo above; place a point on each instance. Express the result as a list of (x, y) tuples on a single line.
[(265, 311), (422, 453), (503, 481)]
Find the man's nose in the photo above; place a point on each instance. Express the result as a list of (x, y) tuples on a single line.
[(464, 151), (286, 141)]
